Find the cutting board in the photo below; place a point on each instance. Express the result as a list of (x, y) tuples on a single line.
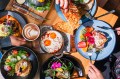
[(28, 18)]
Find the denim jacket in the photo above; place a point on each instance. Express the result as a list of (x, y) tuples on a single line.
[(5, 42)]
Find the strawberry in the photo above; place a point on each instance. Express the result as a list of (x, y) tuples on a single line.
[(88, 34), (82, 44)]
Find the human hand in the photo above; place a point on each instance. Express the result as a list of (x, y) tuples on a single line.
[(118, 30), (94, 73), (17, 41), (63, 4)]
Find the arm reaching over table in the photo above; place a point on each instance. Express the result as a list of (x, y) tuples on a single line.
[(12, 40), (63, 4), (17, 41), (94, 73), (118, 30)]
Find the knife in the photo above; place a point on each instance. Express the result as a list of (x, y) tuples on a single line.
[(27, 12)]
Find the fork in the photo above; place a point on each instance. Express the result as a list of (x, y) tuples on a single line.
[(106, 28), (93, 18), (90, 54)]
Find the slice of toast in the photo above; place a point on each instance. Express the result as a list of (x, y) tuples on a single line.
[(100, 39), (64, 27), (73, 16)]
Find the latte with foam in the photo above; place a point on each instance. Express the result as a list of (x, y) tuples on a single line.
[(31, 32)]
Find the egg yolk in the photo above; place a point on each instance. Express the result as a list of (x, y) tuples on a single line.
[(47, 42), (52, 35), (41, 0)]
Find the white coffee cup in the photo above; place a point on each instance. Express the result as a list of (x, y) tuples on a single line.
[(31, 32)]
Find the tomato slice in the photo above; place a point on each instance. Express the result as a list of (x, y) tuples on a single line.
[(82, 44), (15, 52)]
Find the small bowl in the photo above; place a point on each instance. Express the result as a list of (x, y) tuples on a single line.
[(34, 28)]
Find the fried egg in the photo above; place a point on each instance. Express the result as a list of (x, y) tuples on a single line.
[(52, 41)]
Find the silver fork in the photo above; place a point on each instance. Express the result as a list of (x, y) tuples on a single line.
[(90, 54), (93, 18), (107, 28)]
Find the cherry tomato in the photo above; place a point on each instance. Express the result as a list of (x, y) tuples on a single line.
[(82, 44), (15, 52)]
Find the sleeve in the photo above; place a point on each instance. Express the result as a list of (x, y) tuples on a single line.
[(5, 42)]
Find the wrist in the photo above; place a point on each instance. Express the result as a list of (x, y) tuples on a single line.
[(5, 42)]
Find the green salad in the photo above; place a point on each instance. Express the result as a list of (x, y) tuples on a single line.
[(58, 69), (11, 60), (42, 8)]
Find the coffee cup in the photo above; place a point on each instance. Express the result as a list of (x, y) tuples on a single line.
[(31, 32)]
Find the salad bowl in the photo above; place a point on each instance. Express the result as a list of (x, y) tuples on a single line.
[(13, 57), (39, 5), (66, 63)]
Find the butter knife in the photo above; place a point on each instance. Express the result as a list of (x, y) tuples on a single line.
[(27, 12)]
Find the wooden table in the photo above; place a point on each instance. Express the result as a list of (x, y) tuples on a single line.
[(53, 18)]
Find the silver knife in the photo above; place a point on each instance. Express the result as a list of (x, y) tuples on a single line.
[(27, 12)]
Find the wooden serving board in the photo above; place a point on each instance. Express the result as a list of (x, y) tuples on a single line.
[(28, 18)]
